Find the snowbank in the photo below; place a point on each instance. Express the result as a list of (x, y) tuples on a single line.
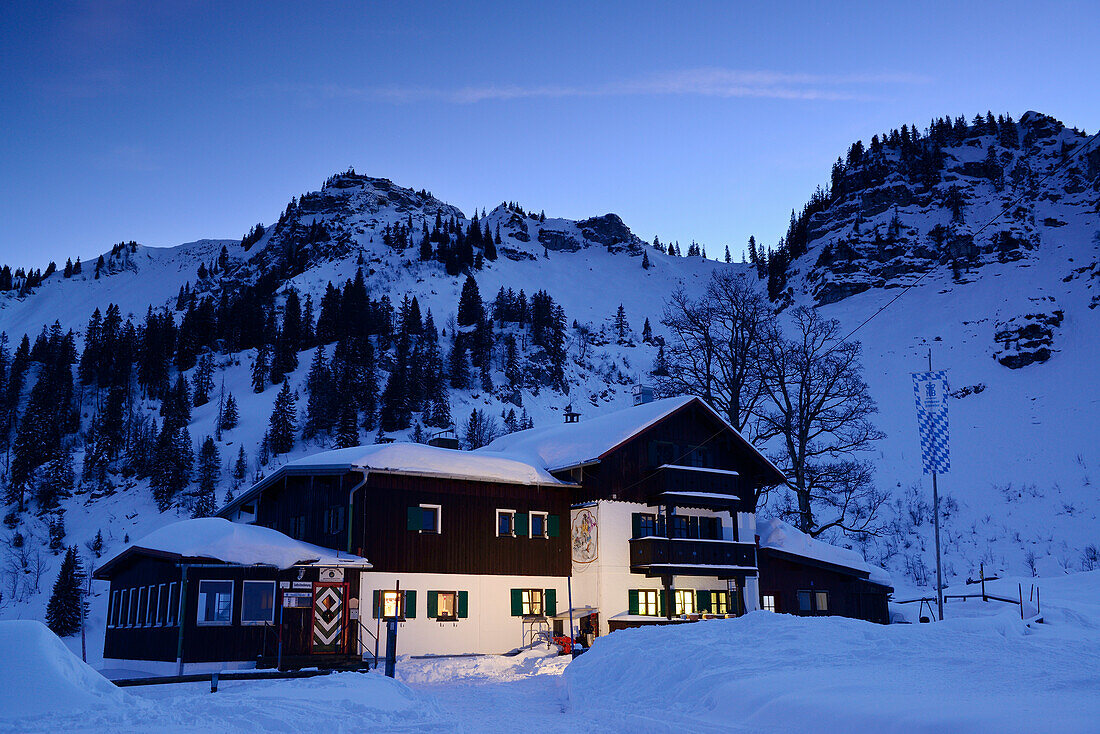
[(221, 540), (782, 536), (38, 675), (528, 663), (775, 672), (420, 459)]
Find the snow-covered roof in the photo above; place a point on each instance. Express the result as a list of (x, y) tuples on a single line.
[(218, 539), (415, 458), (781, 536), (569, 445)]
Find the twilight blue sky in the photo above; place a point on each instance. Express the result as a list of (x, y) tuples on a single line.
[(168, 122)]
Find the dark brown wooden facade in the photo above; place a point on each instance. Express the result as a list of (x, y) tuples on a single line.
[(467, 543), (135, 638), (784, 576), (691, 436)]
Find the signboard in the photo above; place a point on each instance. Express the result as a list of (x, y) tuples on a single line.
[(302, 585), (284, 584), (930, 390), (292, 599), (331, 574)]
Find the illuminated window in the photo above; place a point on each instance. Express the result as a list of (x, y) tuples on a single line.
[(647, 602), (446, 605), (719, 602), (685, 601), (821, 599), (538, 524), (391, 604), (532, 602), (768, 602), (506, 523), (215, 602)]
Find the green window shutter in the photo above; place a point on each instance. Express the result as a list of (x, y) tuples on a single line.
[(521, 523), (636, 525), (661, 602), (552, 526), (376, 599), (463, 604), (410, 604), (550, 602), (416, 518), (517, 602), (632, 601), (433, 604), (702, 601)]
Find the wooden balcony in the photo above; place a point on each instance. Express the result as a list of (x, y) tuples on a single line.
[(725, 559), (714, 489)]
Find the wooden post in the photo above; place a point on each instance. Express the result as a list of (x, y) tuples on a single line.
[(1021, 589), (981, 569)]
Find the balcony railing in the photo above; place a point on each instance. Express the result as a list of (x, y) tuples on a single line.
[(656, 556), (685, 486)]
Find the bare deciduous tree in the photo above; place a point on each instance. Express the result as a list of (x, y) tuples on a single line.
[(715, 347), (818, 407)]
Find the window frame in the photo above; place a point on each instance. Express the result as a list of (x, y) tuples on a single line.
[(720, 602), (151, 607), (511, 515), (132, 608), (453, 616), (647, 525), (684, 598), (649, 599), (257, 622), (142, 606), (199, 608), (531, 524), (817, 595), (398, 597), (528, 604), (809, 595), (112, 617), (438, 519), (173, 609), (162, 605)]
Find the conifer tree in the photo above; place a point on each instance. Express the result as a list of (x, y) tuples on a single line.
[(209, 469), (470, 309), (230, 415), (203, 381), (458, 369), (347, 427), (259, 370), (728, 258), (645, 260), (96, 546), (647, 332), (284, 421), (64, 612), (621, 326), (319, 401), (240, 467)]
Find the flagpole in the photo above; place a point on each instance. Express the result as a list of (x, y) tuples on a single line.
[(936, 523)]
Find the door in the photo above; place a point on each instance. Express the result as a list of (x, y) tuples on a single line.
[(330, 613)]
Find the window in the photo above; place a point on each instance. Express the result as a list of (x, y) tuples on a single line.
[(645, 524), (142, 605), (132, 609), (538, 524), (685, 601), (391, 604), (768, 602), (297, 528), (112, 616), (162, 605), (804, 602), (258, 602), (446, 605), (173, 604), (506, 523), (531, 602), (710, 528), (425, 518), (647, 602), (334, 520), (151, 612), (215, 602), (719, 602), (821, 599), (684, 526)]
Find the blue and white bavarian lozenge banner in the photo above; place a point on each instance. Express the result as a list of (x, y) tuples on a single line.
[(930, 389)]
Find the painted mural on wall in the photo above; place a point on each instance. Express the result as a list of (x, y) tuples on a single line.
[(584, 536)]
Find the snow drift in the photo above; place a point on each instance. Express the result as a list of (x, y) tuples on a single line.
[(39, 676), (774, 672)]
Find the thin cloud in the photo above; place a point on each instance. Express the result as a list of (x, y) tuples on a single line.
[(704, 82)]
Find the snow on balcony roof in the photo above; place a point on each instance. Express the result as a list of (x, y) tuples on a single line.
[(568, 445), (218, 539), (782, 536), (415, 458)]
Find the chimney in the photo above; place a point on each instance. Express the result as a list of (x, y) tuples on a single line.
[(642, 394)]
